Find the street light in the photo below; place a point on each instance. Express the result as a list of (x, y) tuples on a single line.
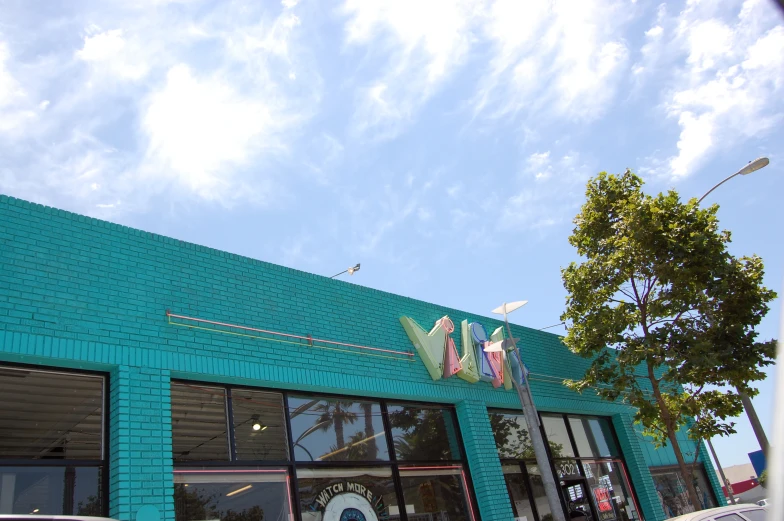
[(753, 166), (748, 407), (352, 270), (529, 411)]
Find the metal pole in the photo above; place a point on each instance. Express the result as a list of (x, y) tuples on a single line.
[(721, 473), (537, 440), (755, 424)]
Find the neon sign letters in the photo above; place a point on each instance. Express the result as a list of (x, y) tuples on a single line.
[(437, 350)]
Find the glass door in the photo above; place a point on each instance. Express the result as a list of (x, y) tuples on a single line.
[(578, 503)]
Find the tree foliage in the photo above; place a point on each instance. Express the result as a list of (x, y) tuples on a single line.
[(664, 311)]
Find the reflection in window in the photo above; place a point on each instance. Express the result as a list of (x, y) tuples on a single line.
[(518, 494), (422, 434), (251, 495), (557, 436), (51, 491), (337, 430), (537, 489), (437, 492), (199, 431), (511, 436), (259, 425), (609, 491), (334, 492), (592, 436), (672, 492)]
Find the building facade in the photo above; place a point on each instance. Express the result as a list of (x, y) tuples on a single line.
[(149, 379)]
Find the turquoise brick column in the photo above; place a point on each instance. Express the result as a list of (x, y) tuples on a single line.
[(486, 473), (140, 460), (637, 468)]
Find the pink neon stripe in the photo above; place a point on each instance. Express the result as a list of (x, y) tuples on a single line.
[(431, 468), (629, 486), (288, 491), (468, 494), (288, 335), (229, 471)]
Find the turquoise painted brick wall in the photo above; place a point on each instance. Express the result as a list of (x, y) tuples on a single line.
[(82, 293)]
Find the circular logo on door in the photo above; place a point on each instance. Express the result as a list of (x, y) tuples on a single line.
[(349, 507)]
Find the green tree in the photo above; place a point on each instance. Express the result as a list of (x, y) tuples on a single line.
[(664, 311), (763, 479), (335, 414)]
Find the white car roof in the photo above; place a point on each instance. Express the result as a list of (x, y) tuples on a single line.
[(709, 514)]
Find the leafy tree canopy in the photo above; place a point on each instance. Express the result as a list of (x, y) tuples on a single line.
[(664, 311)]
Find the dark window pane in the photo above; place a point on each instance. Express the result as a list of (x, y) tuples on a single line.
[(51, 491), (755, 515), (357, 493), (337, 430), (437, 492), (593, 437), (537, 489), (518, 493), (610, 491), (199, 430), (557, 436), (672, 491), (259, 425), (423, 434), (251, 495), (511, 436), (50, 415)]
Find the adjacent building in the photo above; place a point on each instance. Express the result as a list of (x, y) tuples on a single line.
[(149, 379)]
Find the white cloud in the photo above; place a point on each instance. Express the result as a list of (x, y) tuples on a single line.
[(425, 41), (730, 86), (199, 129), (110, 51), (14, 110), (561, 59)]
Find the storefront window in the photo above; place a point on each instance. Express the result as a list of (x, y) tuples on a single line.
[(609, 493), (246, 495), (518, 492), (593, 437), (199, 426), (537, 493), (557, 436), (259, 425), (511, 436), (423, 434), (356, 493), (337, 430), (672, 492), (438, 492), (53, 422)]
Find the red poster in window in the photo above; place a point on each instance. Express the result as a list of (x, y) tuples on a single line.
[(603, 502)]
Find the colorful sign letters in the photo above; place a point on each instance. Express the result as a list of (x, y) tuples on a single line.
[(439, 354)]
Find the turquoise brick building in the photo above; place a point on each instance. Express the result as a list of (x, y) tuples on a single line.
[(149, 379)]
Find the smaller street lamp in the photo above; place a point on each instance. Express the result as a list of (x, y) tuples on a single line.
[(753, 166), (352, 270)]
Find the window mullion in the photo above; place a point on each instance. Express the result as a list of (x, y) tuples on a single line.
[(230, 428)]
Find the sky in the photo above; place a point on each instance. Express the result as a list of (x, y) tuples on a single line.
[(443, 144)]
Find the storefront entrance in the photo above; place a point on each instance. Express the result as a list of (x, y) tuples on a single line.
[(575, 493)]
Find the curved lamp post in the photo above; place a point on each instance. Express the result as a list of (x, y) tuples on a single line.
[(753, 166)]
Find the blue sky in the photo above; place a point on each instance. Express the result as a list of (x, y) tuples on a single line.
[(444, 144)]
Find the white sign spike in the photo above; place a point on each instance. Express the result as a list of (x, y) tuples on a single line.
[(508, 307)]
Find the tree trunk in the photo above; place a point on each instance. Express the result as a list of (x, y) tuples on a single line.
[(337, 418), (676, 448)]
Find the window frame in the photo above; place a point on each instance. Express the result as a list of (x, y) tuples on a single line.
[(102, 463), (291, 465), (523, 463)]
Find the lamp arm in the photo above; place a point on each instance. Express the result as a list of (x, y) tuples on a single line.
[(716, 186)]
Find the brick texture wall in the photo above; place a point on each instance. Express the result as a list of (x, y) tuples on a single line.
[(82, 293)]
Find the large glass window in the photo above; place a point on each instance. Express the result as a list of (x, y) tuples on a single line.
[(337, 430), (672, 492), (242, 454), (51, 443), (422, 434), (586, 462)]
